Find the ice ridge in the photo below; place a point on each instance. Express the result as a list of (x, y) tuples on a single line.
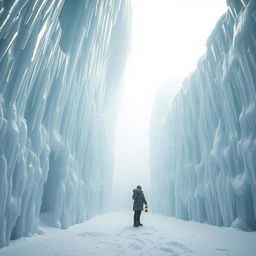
[(203, 144), (61, 62)]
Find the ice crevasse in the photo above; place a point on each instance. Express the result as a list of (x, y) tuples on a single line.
[(203, 143), (61, 62)]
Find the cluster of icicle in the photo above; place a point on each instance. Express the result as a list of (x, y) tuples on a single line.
[(60, 67), (203, 146)]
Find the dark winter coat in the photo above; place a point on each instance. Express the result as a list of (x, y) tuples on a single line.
[(139, 200)]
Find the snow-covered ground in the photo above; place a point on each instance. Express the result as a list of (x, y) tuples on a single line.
[(113, 234)]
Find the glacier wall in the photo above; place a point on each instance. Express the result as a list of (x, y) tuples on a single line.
[(61, 63), (203, 143)]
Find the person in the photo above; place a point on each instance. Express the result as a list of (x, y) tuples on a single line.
[(139, 200)]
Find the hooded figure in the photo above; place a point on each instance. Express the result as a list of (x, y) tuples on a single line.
[(139, 200)]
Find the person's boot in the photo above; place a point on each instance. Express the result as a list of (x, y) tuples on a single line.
[(136, 225), (140, 224)]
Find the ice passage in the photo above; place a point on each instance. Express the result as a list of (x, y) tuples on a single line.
[(203, 145), (60, 66)]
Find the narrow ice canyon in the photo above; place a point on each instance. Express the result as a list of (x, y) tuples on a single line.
[(61, 69)]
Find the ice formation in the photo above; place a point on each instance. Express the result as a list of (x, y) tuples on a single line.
[(203, 144), (60, 67)]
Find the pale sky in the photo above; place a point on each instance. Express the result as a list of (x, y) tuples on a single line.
[(168, 38)]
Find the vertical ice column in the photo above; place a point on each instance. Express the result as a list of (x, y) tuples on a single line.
[(203, 154), (61, 62)]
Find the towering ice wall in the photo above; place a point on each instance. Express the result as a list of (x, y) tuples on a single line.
[(203, 145), (60, 67)]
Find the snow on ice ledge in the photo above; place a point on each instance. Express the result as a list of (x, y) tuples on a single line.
[(60, 64), (203, 145)]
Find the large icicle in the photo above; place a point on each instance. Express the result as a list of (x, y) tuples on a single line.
[(203, 150), (60, 66)]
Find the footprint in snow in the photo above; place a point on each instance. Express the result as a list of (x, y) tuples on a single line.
[(223, 250), (179, 245), (169, 250), (94, 234), (135, 246), (140, 241)]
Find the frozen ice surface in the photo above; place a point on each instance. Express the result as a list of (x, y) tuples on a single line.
[(60, 67), (203, 145), (113, 235)]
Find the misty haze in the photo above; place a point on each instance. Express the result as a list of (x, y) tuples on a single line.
[(127, 127)]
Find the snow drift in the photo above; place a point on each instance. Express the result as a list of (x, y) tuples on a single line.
[(203, 144), (60, 64)]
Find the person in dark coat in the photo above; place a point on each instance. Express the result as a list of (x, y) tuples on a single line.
[(139, 200)]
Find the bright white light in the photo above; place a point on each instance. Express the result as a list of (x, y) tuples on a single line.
[(168, 38)]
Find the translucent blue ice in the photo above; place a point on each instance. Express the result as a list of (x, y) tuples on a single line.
[(203, 146), (61, 62)]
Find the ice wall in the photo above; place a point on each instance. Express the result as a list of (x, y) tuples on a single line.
[(203, 145), (60, 67)]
